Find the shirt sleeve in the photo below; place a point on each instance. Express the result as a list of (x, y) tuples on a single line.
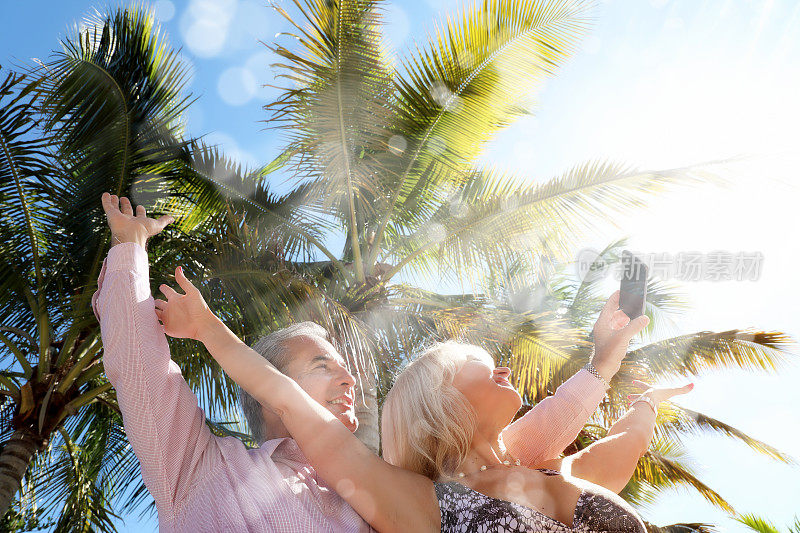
[(554, 423), (162, 419)]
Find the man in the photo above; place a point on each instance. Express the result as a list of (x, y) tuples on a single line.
[(201, 482)]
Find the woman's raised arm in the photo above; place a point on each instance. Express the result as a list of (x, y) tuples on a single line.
[(611, 461), (389, 498)]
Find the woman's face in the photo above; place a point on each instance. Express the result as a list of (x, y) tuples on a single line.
[(487, 388)]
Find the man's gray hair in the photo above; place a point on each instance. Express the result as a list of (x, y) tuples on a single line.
[(272, 347)]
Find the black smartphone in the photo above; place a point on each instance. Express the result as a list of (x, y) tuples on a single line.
[(633, 285)]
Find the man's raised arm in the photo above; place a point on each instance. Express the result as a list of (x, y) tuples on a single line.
[(162, 419)]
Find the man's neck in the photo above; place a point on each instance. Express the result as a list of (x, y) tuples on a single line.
[(275, 430)]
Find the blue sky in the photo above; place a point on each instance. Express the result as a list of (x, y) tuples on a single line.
[(657, 84)]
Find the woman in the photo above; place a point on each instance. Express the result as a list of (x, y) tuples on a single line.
[(444, 418), (452, 473)]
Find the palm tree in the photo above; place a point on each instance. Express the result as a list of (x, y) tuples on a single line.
[(386, 161), (384, 164)]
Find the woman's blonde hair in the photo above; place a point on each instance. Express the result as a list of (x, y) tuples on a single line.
[(427, 424)]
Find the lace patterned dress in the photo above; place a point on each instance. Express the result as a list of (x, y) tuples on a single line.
[(465, 510)]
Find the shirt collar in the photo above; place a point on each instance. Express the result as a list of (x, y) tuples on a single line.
[(284, 448)]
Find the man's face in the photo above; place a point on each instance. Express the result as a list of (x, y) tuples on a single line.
[(319, 369)]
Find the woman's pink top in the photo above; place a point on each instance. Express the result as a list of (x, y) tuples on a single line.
[(201, 482)]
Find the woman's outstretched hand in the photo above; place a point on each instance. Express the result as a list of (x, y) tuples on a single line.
[(129, 227), (658, 395), (612, 333), (182, 315)]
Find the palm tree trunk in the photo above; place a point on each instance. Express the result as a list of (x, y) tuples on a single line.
[(367, 412), (15, 456)]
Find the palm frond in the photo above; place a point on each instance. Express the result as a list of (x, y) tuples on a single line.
[(210, 188), (28, 219), (680, 420), (25, 169), (222, 429), (340, 112), (547, 351), (112, 102), (694, 353), (468, 82), (756, 523), (495, 213), (213, 181), (70, 486), (663, 472), (683, 527)]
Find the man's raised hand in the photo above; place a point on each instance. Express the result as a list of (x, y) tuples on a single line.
[(129, 227), (182, 315)]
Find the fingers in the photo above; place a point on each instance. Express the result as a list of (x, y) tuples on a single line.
[(184, 283), (110, 203), (635, 326), (610, 306), (160, 305), (675, 391), (105, 199), (664, 394), (113, 203), (164, 221), (641, 385), (168, 291), (125, 206), (619, 320)]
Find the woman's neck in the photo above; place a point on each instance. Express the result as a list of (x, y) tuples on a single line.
[(487, 450)]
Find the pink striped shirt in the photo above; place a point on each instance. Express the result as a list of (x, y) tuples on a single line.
[(201, 482)]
